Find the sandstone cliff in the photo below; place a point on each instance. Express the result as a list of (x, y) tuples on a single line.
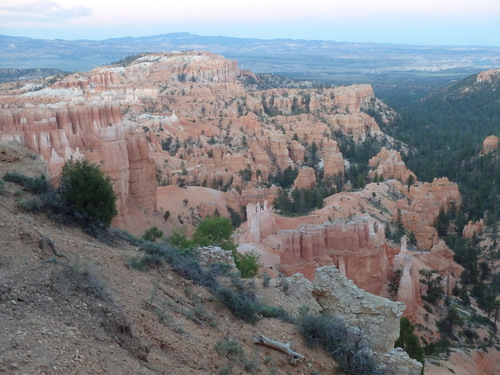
[(421, 208), (388, 164), (185, 119), (490, 144), (350, 246), (357, 245)]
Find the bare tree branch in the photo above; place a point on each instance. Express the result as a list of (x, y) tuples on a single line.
[(295, 357)]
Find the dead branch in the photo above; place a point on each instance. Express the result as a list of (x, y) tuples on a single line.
[(45, 243), (153, 307), (175, 298), (295, 357)]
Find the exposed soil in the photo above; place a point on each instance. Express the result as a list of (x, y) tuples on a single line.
[(94, 314)]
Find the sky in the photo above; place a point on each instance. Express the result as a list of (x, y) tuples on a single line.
[(418, 22)]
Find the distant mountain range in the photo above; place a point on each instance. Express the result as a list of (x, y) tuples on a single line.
[(325, 61)]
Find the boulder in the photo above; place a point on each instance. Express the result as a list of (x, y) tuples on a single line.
[(378, 317)]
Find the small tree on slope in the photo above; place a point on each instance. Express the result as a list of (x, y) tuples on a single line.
[(86, 188)]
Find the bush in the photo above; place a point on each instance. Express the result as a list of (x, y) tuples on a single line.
[(341, 342), (242, 305), (37, 185), (214, 231), (179, 240), (89, 190), (247, 263), (229, 349), (152, 234), (409, 341)]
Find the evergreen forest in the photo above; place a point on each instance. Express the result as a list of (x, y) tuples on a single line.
[(445, 131)]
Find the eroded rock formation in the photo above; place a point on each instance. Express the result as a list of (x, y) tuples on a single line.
[(306, 178), (409, 283), (261, 222), (186, 118), (490, 144), (60, 133), (376, 318), (357, 248), (420, 210), (388, 164), (473, 228)]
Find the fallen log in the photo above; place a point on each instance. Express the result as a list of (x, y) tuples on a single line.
[(295, 357)]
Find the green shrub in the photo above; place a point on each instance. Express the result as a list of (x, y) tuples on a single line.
[(214, 231), (89, 190), (341, 342), (179, 240), (229, 348), (240, 303), (184, 262), (248, 263), (37, 185), (409, 341), (152, 234)]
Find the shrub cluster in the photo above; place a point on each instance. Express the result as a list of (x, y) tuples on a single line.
[(36, 185), (343, 343), (239, 299), (85, 197), (217, 231)]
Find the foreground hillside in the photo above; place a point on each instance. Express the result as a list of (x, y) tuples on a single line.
[(89, 312)]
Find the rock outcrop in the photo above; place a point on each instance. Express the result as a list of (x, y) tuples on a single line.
[(399, 362), (473, 228), (388, 164), (301, 289), (60, 133), (306, 179), (261, 222), (490, 144), (377, 316), (355, 248), (409, 284), (488, 75), (420, 209)]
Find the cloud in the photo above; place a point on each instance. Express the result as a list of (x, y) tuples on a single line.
[(40, 12)]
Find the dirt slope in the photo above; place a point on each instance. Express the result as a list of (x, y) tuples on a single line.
[(93, 314)]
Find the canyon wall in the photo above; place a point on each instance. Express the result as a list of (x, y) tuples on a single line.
[(421, 207), (63, 132), (357, 248)]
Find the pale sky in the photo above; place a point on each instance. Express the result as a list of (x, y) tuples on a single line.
[(428, 22)]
